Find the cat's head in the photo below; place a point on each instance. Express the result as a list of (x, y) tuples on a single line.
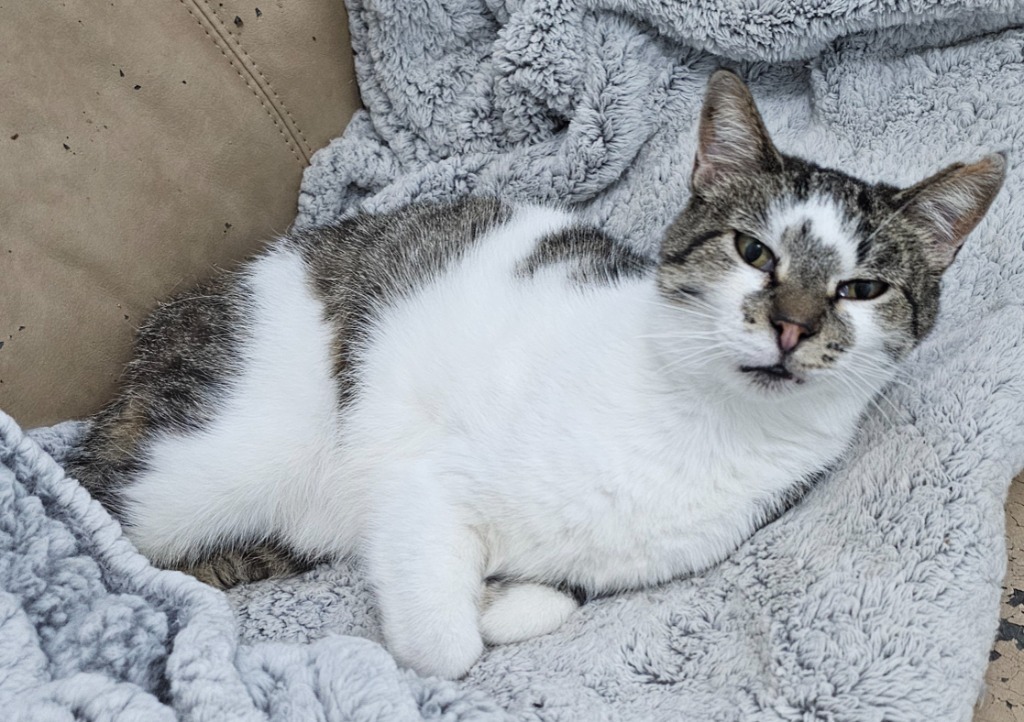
[(790, 273)]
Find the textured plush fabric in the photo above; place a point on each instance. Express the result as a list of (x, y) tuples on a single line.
[(874, 598)]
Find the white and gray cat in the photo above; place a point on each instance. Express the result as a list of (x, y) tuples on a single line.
[(495, 406)]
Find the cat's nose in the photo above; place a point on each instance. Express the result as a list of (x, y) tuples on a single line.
[(790, 332)]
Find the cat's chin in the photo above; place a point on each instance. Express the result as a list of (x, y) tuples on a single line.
[(771, 378)]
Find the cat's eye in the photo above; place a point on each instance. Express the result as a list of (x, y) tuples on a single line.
[(755, 253), (861, 290)]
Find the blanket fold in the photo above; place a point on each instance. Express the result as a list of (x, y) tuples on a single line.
[(874, 598)]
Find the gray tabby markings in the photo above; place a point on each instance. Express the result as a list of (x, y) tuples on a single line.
[(590, 257), (363, 264)]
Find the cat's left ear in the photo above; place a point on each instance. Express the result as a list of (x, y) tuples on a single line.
[(949, 204), (732, 139)]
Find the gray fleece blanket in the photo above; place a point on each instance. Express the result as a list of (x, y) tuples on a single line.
[(874, 598)]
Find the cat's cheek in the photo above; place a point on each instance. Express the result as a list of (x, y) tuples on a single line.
[(867, 342), (862, 330), (900, 324)]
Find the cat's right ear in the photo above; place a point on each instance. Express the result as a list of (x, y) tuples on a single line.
[(732, 138)]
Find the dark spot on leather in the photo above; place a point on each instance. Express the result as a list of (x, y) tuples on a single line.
[(1011, 632)]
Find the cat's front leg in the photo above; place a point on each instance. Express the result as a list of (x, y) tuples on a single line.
[(427, 568)]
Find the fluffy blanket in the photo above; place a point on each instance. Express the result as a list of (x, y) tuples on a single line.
[(874, 598)]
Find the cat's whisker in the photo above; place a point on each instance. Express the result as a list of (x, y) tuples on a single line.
[(857, 389), (680, 333), (700, 338), (701, 313), (709, 355), (865, 385), (687, 343), (689, 308), (685, 359), (883, 374), (886, 381)]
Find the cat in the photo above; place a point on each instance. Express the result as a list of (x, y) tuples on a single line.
[(499, 408)]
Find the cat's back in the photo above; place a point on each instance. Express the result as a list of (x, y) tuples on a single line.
[(372, 261)]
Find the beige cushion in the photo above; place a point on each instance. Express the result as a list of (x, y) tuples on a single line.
[(143, 145)]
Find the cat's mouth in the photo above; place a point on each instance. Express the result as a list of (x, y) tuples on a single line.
[(771, 375)]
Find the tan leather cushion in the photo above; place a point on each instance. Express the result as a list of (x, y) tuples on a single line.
[(144, 144)]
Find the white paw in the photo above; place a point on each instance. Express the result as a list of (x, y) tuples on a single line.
[(435, 651), (519, 611)]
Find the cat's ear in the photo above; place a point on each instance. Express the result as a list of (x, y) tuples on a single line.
[(949, 204), (732, 139)]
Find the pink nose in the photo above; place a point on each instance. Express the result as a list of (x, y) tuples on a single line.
[(790, 334)]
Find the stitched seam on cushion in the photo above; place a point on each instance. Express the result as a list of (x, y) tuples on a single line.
[(269, 87), (266, 85), (250, 81)]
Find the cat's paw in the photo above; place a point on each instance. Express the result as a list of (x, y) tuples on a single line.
[(517, 611), (438, 652)]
